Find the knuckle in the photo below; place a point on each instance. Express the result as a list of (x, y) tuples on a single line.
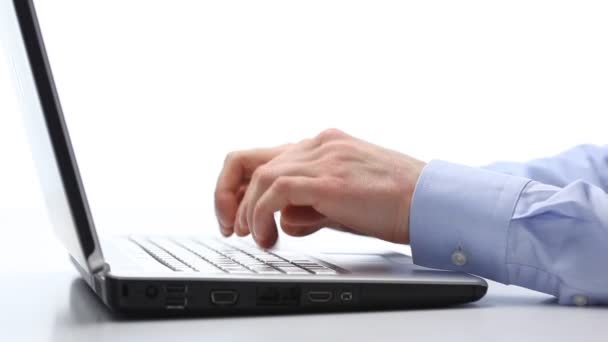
[(341, 146), (217, 195), (263, 176), (337, 150), (329, 135), (220, 197), (259, 209), (305, 142), (231, 157), (281, 184)]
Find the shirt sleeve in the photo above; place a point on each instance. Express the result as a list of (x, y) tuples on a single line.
[(584, 162), (513, 230)]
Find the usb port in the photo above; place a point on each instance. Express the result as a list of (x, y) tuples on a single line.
[(176, 303), (224, 297), (319, 296), (176, 289)]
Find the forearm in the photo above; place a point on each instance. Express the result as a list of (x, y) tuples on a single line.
[(513, 230)]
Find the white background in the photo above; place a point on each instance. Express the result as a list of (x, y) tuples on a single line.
[(156, 92)]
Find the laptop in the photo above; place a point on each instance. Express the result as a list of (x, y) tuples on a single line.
[(201, 275)]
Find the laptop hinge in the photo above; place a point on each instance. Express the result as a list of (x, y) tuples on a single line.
[(94, 277), (102, 270)]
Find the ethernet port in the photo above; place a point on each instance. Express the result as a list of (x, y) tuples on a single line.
[(278, 295)]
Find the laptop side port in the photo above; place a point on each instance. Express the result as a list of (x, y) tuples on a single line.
[(176, 303), (277, 295), (224, 297), (346, 296), (151, 292), (319, 296), (176, 289)]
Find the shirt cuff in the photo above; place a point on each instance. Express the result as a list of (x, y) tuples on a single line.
[(460, 216)]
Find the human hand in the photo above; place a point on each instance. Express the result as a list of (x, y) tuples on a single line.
[(333, 180)]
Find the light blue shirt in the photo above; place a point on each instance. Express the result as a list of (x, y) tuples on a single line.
[(542, 225)]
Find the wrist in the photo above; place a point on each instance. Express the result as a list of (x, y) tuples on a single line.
[(410, 181)]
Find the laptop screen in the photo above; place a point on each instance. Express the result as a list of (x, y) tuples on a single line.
[(48, 137)]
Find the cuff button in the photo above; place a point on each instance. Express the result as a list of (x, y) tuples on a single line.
[(580, 300), (459, 258)]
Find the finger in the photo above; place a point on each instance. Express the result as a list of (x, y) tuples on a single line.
[(264, 177), (285, 191), (301, 215), (241, 216), (301, 221), (225, 202), (241, 193), (238, 166), (302, 218), (301, 229), (239, 227)]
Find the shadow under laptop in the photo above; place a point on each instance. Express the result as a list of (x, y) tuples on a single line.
[(85, 307)]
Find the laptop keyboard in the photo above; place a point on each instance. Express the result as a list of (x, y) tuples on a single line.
[(213, 256)]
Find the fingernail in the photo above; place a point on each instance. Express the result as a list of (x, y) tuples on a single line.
[(223, 223)]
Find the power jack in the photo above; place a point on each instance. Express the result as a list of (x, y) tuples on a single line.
[(346, 296), (151, 292)]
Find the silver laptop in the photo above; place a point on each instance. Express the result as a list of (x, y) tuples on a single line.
[(169, 275)]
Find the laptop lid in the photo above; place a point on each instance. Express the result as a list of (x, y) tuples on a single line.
[(48, 137)]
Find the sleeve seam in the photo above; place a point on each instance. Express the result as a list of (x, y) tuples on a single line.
[(509, 224)]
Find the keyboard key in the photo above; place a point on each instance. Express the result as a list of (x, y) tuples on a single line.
[(305, 264), (233, 267), (196, 248), (251, 263), (214, 256), (257, 268), (187, 257), (280, 264), (224, 261), (314, 267), (293, 257), (162, 256), (268, 257), (148, 262), (310, 266)]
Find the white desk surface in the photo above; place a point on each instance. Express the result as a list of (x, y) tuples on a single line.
[(59, 306)]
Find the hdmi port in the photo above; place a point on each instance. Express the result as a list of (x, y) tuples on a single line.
[(319, 296), (224, 297)]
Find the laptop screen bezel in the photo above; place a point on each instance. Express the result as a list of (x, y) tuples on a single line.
[(58, 134)]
